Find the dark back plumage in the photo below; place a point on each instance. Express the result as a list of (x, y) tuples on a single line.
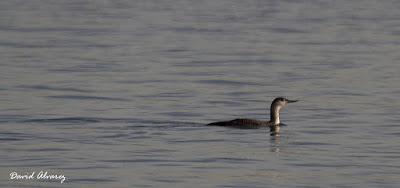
[(243, 123)]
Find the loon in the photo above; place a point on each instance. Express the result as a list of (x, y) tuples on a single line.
[(274, 123)]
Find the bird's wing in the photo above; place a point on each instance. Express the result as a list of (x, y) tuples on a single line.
[(245, 122), (241, 123)]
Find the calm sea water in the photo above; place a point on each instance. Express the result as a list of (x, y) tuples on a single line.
[(116, 93)]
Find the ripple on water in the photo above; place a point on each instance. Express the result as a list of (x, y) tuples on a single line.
[(54, 88), (86, 97)]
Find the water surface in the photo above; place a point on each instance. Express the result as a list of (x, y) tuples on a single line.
[(116, 93)]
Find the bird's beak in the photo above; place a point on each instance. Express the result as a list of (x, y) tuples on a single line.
[(292, 101)]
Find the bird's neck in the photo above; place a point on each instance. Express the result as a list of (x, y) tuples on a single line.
[(274, 113)]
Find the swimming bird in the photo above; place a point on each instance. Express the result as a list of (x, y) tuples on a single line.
[(274, 122)]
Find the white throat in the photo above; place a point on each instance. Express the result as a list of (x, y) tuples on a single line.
[(277, 110)]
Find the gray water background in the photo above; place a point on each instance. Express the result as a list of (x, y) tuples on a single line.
[(116, 93)]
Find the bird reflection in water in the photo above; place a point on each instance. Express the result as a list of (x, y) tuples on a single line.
[(275, 139)]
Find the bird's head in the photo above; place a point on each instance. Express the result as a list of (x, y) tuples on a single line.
[(281, 102)]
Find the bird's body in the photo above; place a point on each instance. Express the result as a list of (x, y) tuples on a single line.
[(244, 123), (274, 123)]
